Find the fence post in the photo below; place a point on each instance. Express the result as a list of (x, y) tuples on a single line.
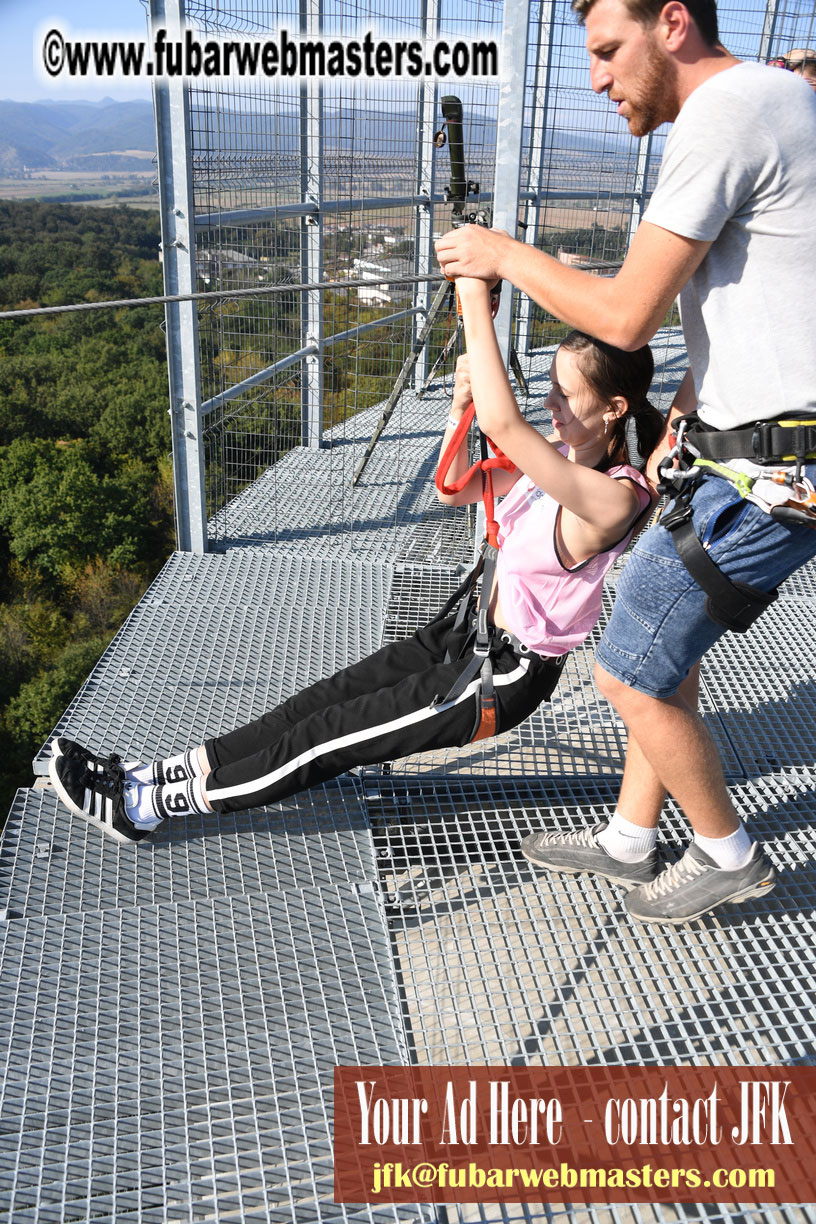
[(509, 131), (640, 186), (768, 30), (540, 115), (423, 224), (311, 236), (172, 113)]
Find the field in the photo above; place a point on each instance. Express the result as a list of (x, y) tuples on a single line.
[(133, 187)]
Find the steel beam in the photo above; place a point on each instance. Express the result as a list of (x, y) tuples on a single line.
[(311, 236), (172, 113)]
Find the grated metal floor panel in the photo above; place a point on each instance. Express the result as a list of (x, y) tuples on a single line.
[(217, 640), (328, 513), (706, 1213), (763, 686), (503, 964), (51, 864), (175, 1062)]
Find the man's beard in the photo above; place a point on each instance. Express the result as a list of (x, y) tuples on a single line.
[(653, 103)]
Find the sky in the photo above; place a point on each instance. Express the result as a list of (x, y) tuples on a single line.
[(20, 20), (23, 23)]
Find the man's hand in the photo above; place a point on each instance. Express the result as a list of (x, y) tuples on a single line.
[(475, 251)]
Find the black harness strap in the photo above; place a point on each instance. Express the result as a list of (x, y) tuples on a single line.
[(777, 441), (734, 605), (479, 664)]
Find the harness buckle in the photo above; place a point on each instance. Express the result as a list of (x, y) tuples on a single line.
[(762, 443), (679, 512), (793, 440)]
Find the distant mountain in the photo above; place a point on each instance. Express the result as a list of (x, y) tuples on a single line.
[(72, 135), (105, 135)]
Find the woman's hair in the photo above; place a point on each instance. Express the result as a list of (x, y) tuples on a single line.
[(610, 372)]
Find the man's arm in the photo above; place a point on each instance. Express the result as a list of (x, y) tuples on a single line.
[(625, 310)]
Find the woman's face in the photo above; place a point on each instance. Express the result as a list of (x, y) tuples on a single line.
[(577, 411)]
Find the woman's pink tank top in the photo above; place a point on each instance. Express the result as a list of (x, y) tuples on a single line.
[(548, 607)]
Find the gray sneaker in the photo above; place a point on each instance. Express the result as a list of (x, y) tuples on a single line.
[(695, 884), (575, 853)]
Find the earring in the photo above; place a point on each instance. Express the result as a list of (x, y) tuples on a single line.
[(606, 428)]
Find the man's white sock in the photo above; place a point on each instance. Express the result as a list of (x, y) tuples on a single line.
[(179, 768), (627, 842), (729, 853)]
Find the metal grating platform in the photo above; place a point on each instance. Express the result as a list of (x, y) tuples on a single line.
[(762, 685), (217, 640), (379, 918), (307, 501), (175, 1062), (705, 1213), (50, 864), (504, 964)]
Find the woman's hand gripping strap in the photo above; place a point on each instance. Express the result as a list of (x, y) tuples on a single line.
[(485, 466)]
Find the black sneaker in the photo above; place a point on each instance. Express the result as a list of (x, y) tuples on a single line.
[(575, 853), (62, 746), (694, 885), (97, 794)]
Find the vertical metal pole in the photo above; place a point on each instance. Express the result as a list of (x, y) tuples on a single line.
[(641, 179), (768, 30), (172, 110), (509, 130), (541, 102), (311, 236), (423, 224)]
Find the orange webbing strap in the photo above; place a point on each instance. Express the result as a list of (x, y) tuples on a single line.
[(480, 665), (485, 466), (487, 722)]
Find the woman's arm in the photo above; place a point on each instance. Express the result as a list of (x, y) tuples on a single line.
[(472, 491), (605, 506)]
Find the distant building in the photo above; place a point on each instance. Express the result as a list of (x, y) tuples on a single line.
[(232, 264), (380, 293)]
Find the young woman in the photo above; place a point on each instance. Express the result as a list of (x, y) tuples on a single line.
[(573, 501)]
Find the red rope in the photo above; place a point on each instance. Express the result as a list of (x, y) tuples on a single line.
[(485, 466)]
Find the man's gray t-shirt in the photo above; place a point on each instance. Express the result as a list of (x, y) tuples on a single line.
[(739, 170)]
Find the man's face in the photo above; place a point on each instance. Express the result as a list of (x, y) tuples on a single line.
[(628, 62)]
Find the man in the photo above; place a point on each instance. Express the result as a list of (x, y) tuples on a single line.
[(732, 228)]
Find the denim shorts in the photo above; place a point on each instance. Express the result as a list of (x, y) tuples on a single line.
[(659, 627)]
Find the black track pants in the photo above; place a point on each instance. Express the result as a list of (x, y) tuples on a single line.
[(373, 711)]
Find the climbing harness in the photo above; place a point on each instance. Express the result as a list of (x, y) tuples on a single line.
[(754, 454), (485, 635)]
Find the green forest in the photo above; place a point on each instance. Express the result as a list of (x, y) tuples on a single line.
[(86, 503)]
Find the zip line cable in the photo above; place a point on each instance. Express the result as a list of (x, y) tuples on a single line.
[(209, 295)]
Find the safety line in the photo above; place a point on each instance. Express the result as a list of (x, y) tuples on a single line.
[(217, 293)]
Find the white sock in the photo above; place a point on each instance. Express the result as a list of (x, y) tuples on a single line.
[(147, 806), (179, 768), (729, 853), (627, 842)]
